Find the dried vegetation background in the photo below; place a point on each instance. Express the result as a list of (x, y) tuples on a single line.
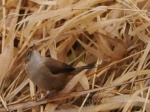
[(113, 34)]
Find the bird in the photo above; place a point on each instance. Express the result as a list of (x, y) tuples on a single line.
[(49, 74)]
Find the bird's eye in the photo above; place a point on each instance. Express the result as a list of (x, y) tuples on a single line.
[(28, 55)]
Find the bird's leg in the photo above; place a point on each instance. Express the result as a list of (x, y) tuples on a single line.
[(50, 94), (47, 95), (38, 94)]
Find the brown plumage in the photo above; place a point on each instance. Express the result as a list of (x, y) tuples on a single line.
[(47, 73)]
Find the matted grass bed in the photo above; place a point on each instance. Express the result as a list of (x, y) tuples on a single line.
[(112, 34)]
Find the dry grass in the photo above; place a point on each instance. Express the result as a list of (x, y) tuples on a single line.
[(113, 34)]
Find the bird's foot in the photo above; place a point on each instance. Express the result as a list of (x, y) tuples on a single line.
[(37, 95), (41, 99), (48, 94)]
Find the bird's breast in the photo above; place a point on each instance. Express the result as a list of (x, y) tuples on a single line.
[(31, 69)]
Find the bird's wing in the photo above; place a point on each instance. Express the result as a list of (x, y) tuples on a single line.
[(56, 66)]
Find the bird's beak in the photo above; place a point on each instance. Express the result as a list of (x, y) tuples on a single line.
[(34, 47)]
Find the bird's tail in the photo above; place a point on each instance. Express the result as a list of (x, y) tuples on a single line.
[(79, 69)]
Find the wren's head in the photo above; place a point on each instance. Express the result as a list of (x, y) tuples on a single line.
[(32, 55)]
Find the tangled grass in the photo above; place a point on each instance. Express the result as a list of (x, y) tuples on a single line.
[(113, 34)]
